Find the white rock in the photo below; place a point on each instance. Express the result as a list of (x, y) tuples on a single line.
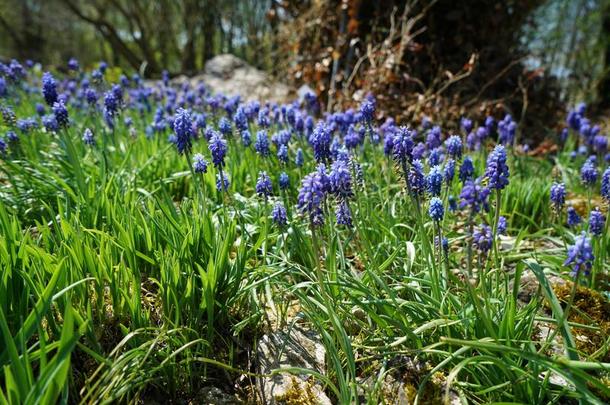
[(232, 76), (295, 347)]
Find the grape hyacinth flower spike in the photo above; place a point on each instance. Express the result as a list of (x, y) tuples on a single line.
[(183, 129), (596, 222), (264, 187), (436, 209), (573, 217), (558, 196), (200, 165), (311, 197), (88, 138), (279, 215), (580, 256)]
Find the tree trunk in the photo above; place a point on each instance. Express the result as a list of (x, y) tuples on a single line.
[(604, 87)]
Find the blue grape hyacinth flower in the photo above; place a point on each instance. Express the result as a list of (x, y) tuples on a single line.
[(311, 197), (200, 165), (558, 196), (580, 255), (596, 222), (218, 149), (279, 215), (264, 187), (183, 128), (497, 171), (436, 209), (573, 218), (88, 138), (588, 173), (49, 88)]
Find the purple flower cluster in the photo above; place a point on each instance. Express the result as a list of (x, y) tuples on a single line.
[(434, 181), (218, 149), (497, 171), (200, 165), (558, 196), (588, 173), (474, 196), (261, 145), (88, 138), (453, 144), (279, 215), (264, 187), (436, 209), (340, 179), (573, 217), (343, 214), (596, 222), (417, 181), (506, 130), (580, 255), (483, 238), (311, 197), (49, 88), (61, 114), (183, 129), (402, 145)]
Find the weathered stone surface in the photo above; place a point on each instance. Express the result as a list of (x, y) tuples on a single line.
[(529, 285), (400, 384), (232, 76), (215, 396), (292, 347)]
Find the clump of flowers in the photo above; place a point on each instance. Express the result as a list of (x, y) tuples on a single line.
[(279, 215), (588, 173), (435, 181), (436, 209), (466, 169), (261, 145), (580, 255), (558, 196), (483, 238), (402, 145), (573, 217), (218, 148), (183, 129), (88, 138), (311, 197), (475, 196), (453, 144), (61, 114), (264, 187), (596, 222), (284, 181), (49, 88), (343, 214), (497, 171), (200, 165)]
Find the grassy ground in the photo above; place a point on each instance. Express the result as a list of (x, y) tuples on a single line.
[(126, 275)]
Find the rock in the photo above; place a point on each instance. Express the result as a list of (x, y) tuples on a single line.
[(293, 347), (529, 285), (215, 396), (224, 65), (231, 76), (400, 383)]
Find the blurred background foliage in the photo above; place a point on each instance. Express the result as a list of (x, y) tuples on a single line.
[(524, 54)]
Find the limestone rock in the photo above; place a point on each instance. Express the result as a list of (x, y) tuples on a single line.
[(232, 76), (292, 347)]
